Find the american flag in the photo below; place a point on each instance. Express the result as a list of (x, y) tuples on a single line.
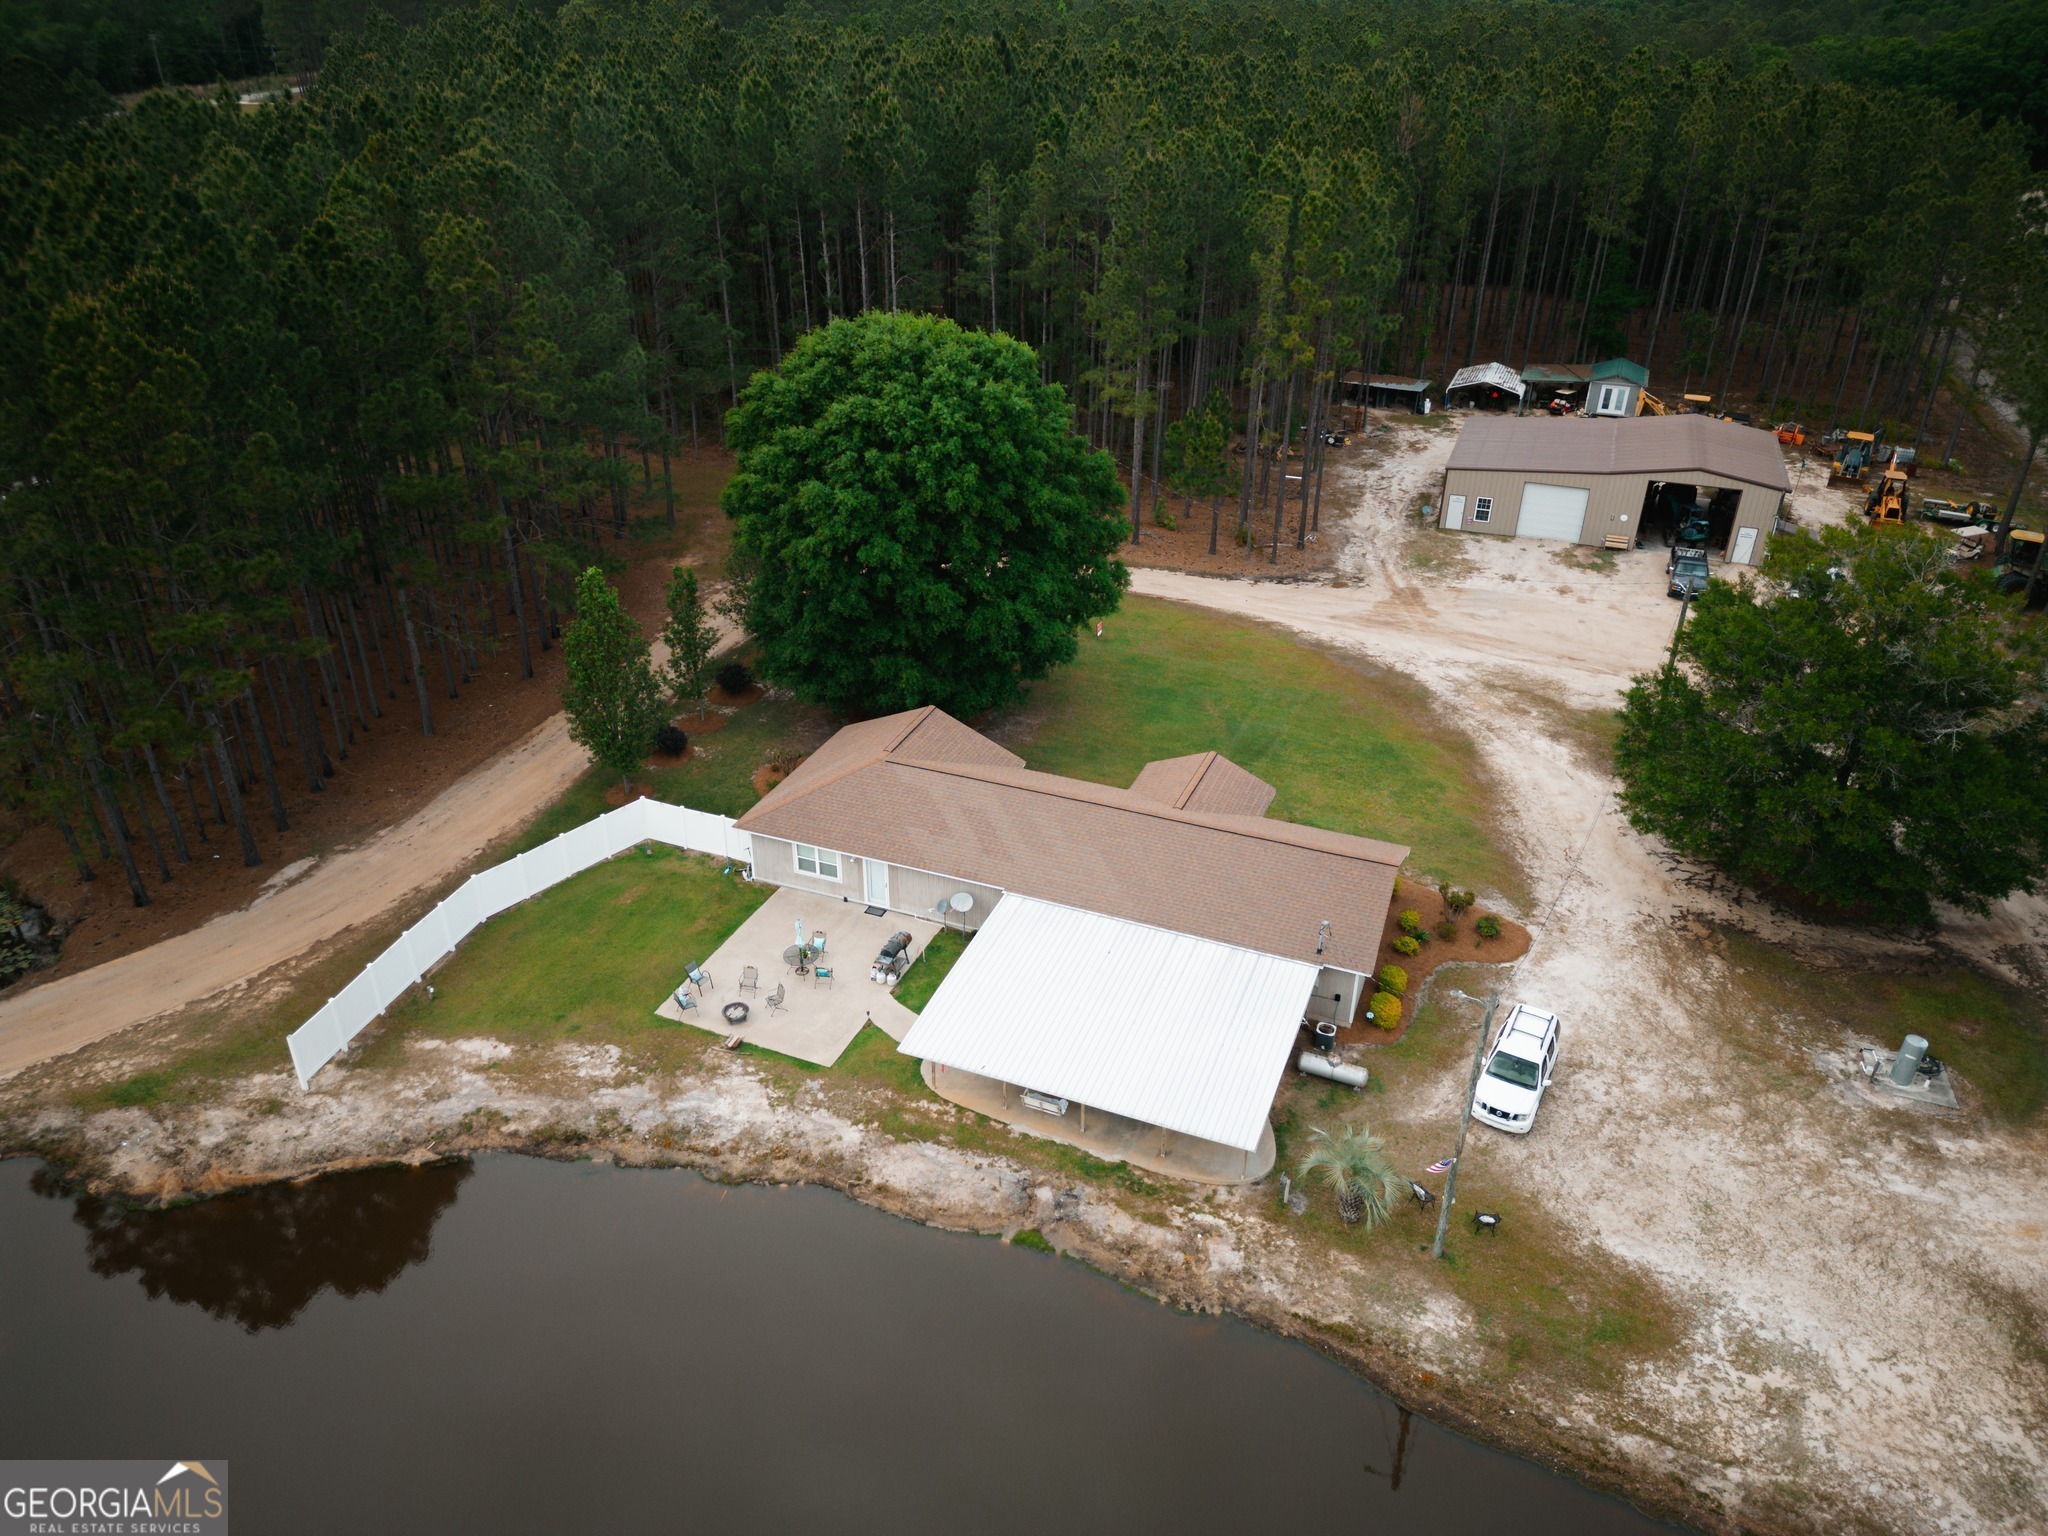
[(1441, 1167)]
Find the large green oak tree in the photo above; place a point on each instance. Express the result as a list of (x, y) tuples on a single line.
[(1860, 726), (914, 520)]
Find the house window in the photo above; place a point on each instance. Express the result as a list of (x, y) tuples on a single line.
[(1482, 509), (822, 862), (1612, 398)]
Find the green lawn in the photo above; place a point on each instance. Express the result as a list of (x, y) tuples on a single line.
[(589, 958), (718, 778), (930, 968), (1348, 746), (1992, 1035)]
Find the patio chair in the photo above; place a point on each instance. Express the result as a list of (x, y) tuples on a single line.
[(821, 975), (818, 942), (750, 980), (774, 999), (684, 1002)]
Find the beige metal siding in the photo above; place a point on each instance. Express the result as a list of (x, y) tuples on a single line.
[(775, 863), (1614, 503), (1759, 510), (918, 892)]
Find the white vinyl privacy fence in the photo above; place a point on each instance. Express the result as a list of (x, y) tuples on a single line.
[(324, 1036)]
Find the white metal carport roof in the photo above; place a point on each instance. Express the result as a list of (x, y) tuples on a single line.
[(1179, 1032)]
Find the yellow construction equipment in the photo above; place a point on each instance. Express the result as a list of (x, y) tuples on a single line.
[(1852, 457), (1648, 404), (1887, 500)]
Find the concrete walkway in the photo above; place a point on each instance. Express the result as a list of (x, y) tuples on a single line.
[(817, 1021), (1113, 1138)]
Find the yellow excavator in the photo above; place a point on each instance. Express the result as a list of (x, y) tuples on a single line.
[(1852, 457), (1886, 503), (1648, 404)]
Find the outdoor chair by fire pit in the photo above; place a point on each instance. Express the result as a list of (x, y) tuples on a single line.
[(774, 999), (750, 980), (735, 1013)]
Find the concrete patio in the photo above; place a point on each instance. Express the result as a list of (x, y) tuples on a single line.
[(817, 1021), (1113, 1138)]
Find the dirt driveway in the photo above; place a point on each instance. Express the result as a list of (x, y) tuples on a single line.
[(304, 905), (1866, 1288)]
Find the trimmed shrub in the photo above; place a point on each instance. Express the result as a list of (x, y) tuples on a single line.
[(1447, 929), (671, 739), (735, 677), (1393, 979), (1456, 900), (1162, 518), (1386, 1010), (1488, 926), (1411, 923), (1408, 945)]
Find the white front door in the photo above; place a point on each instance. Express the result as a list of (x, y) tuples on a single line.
[(1454, 512), (1745, 546), (877, 882), (1551, 512)]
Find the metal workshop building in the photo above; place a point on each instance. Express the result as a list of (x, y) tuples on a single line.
[(1608, 482)]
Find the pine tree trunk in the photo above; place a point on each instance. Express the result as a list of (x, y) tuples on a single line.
[(412, 646)]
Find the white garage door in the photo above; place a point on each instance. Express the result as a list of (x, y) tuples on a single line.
[(1551, 512)]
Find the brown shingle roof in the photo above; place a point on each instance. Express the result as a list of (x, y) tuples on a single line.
[(978, 814), (1628, 445), (1204, 781)]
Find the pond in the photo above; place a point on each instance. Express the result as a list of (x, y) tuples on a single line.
[(516, 1345)]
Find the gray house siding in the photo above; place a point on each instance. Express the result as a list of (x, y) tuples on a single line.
[(915, 891), (918, 892), (775, 864), (1337, 996), (1613, 502)]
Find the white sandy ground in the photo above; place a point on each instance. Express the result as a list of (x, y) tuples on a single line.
[(1862, 1290), (1870, 1287)]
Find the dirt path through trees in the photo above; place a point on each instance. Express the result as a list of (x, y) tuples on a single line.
[(334, 894)]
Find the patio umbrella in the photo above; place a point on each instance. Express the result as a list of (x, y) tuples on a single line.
[(799, 933)]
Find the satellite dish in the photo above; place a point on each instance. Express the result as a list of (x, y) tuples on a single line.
[(961, 902)]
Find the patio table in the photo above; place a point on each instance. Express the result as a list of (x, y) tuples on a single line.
[(795, 957)]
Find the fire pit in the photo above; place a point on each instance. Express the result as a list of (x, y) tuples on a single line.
[(735, 1013)]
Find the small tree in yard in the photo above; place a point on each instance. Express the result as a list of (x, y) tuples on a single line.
[(690, 637), (1353, 1164), (611, 696), (1862, 725), (914, 520)]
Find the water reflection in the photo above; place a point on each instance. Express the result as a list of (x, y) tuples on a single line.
[(259, 1258)]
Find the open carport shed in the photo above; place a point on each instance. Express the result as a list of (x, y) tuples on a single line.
[(1159, 1027), (1595, 481)]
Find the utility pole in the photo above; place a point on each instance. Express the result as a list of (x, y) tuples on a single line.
[(1684, 603), (1443, 1215)]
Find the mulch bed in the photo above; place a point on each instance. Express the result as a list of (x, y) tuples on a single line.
[(768, 775), (615, 795), (701, 725), (1428, 904)]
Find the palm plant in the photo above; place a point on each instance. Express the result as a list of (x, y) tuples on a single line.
[(1353, 1164)]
